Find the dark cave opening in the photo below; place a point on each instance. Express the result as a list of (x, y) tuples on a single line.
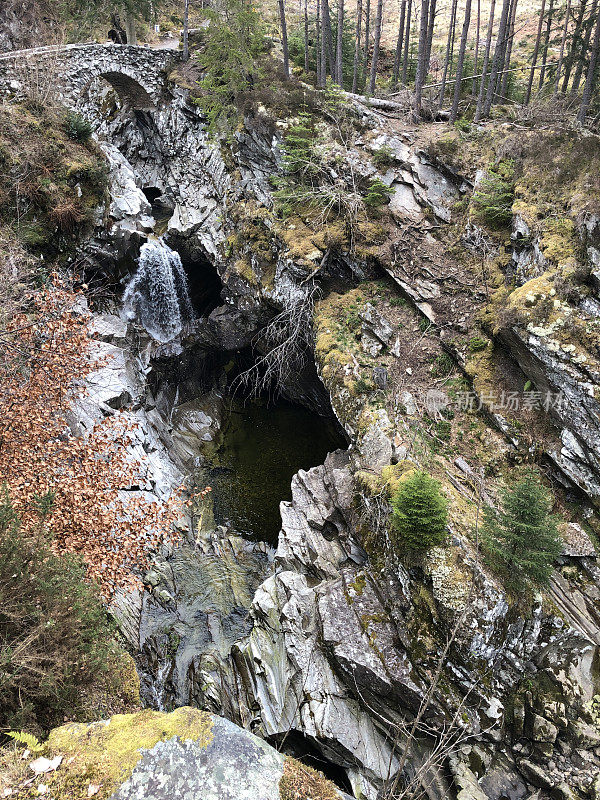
[(204, 285), (162, 207), (262, 445)]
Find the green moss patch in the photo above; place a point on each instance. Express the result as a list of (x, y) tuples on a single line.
[(105, 753), (50, 182)]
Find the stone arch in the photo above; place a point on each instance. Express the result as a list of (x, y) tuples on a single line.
[(129, 89)]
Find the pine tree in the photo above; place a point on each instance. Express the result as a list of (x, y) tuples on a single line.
[(508, 51), (546, 44), (229, 62), (500, 44), (399, 43), (573, 48), (421, 75), (339, 78), (357, 48), (563, 42), (536, 50), (366, 50), (376, 44), (406, 44), (419, 514), (521, 539), (449, 45)]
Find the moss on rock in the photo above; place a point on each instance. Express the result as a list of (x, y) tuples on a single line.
[(105, 753)]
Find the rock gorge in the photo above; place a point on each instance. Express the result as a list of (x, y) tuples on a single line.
[(321, 643)]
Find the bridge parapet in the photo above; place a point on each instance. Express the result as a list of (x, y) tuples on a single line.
[(136, 73)]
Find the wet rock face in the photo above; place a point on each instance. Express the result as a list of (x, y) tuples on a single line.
[(196, 609)]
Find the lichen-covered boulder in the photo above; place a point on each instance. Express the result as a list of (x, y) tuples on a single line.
[(187, 754)]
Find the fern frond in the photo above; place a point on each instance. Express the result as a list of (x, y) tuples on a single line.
[(28, 739)]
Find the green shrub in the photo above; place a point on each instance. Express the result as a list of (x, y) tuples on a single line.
[(383, 156), (419, 514), (77, 128), (476, 344), (443, 430), (55, 639), (521, 539), (363, 385), (378, 193), (462, 125), (442, 365), (494, 196)]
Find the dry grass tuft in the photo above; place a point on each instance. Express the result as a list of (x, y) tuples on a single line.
[(300, 782)]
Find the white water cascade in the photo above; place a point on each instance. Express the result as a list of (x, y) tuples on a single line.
[(157, 295)]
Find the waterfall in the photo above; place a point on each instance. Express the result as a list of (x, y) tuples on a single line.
[(157, 295)]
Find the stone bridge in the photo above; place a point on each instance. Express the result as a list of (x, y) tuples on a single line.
[(137, 74)]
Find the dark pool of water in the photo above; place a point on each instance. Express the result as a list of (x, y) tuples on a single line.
[(262, 447)]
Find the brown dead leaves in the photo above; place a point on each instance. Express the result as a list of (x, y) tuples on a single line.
[(44, 358)]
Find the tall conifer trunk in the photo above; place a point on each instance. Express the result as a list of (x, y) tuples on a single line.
[(476, 57), (591, 73), (500, 44), (546, 44), (186, 27), (563, 40), (359, 12), (328, 38), (306, 61), (406, 44), (340, 38), (584, 48), (367, 43), (570, 59), (534, 57), (449, 40), (486, 59), (320, 48), (508, 50), (461, 62), (432, 12), (376, 43), (284, 39), (421, 58), (399, 43)]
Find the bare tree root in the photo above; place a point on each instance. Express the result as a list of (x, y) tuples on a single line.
[(285, 343)]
